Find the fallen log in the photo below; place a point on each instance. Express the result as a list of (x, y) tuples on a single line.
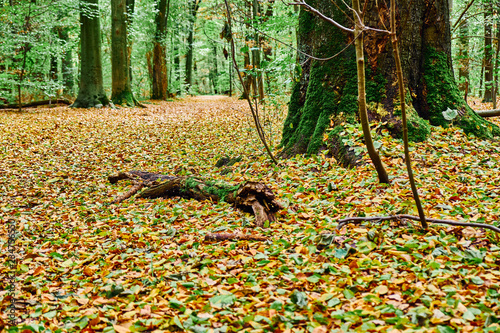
[(36, 103), (252, 197), (219, 237), (488, 113)]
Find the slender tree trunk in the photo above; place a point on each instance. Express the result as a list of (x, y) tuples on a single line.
[(160, 79), (91, 92), (488, 53), (121, 91), (214, 72), (67, 62), (193, 10), (259, 82), (464, 61), (177, 67), (363, 114), (130, 16)]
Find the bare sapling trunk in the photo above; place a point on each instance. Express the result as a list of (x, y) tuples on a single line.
[(363, 114), (399, 73)]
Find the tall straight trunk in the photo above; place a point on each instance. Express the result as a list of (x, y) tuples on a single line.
[(91, 91), (160, 78), (488, 52), (67, 62), (121, 91), (327, 90), (214, 72), (177, 67), (259, 81), (464, 60), (248, 79), (193, 10), (130, 16)]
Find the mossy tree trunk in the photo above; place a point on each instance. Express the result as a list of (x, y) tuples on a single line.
[(327, 90), (91, 92), (121, 91), (159, 73)]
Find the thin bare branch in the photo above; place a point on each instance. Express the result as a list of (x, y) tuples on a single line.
[(358, 220), (318, 13)]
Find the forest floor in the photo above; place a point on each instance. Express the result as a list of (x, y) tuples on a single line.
[(143, 265)]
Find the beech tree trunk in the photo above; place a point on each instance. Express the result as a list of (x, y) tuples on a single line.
[(91, 92), (121, 91), (160, 78), (327, 91)]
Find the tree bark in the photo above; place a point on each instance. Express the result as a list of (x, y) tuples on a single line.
[(160, 78), (327, 90), (91, 91), (121, 91)]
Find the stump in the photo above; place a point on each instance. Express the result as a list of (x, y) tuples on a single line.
[(252, 197)]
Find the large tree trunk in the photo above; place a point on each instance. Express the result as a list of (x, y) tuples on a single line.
[(91, 92), (327, 90), (121, 92), (160, 79)]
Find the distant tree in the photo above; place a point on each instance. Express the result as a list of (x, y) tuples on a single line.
[(193, 6), (488, 51), (91, 91), (159, 68), (121, 91)]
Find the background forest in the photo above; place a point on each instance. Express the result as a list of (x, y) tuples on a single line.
[(40, 50)]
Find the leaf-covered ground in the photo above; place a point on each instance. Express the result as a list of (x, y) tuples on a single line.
[(143, 265)]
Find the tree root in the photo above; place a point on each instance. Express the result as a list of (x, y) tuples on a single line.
[(358, 220), (218, 237)]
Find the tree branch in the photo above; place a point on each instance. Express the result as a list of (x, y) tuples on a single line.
[(358, 220)]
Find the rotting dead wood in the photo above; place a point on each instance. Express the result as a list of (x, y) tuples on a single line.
[(252, 197), (219, 237)]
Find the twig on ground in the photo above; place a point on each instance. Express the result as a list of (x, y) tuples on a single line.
[(358, 220), (217, 237)]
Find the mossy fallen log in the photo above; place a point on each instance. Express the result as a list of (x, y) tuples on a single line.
[(252, 197)]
